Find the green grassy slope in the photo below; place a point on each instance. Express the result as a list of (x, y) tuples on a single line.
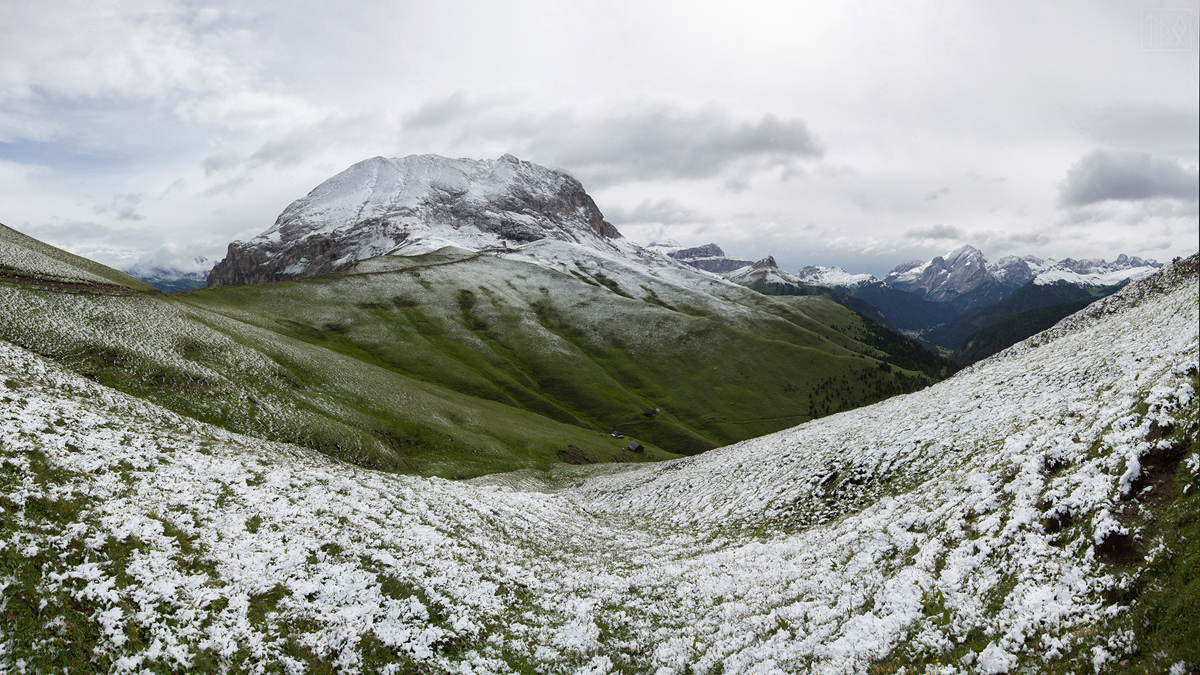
[(456, 364), (25, 258), (582, 351), (266, 384)]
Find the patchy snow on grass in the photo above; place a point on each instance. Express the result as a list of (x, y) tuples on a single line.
[(914, 532)]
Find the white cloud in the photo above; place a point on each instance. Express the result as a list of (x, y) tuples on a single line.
[(122, 207), (686, 120)]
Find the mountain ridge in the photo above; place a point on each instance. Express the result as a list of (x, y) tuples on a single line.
[(416, 204)]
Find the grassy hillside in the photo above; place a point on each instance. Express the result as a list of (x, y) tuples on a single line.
[(27, 260), (456, 364), (1036, 513), (578, 347)]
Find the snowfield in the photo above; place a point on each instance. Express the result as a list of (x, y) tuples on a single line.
[(978, 526)]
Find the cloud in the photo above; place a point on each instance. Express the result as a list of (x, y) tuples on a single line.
[(443, 111), (299, 144), (122, 207), (934, 194), (230, 186), (92, 240), (173, 256), (938, 231), (664, 212), (222, 160), (997, 242), (1119, 175), (155, 56), (1161, 129), (639, 141)]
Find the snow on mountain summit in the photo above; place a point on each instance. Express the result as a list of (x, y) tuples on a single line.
[(965, 278), (1096, 272), (819, 275), (961, 276), (413, 205)]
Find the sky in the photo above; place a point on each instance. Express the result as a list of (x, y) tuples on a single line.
[(836, 133)]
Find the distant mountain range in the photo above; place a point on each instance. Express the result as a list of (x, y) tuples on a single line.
[(946, 286), (708, 257), (458, 317), (207, 481), (419, 204), (942, 300)]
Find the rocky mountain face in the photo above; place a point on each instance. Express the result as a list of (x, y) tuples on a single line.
[(965, 279), (664, 247), (413, 205), (961, 278), (765, 270), (710, 258), (836, 277)]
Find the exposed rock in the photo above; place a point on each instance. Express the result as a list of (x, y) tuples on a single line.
[(961, 278), (710, 258), (415, 205)]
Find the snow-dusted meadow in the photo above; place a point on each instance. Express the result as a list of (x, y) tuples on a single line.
[(916, 530)]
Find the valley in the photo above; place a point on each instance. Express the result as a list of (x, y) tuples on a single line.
[(467, 427), (1035, 511), (402, 364)]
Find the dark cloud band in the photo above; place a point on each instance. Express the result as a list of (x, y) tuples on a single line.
[(642, 142), (1126, 176)]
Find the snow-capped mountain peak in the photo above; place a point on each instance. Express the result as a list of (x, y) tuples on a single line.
[(762, 273), (964, 255), (664, 247), (960, 275), (965, 278), (1095, 272), (819, 275), (414, 205)]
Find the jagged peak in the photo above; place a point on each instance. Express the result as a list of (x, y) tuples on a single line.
[(709, 250), (907, 265), (964, 255)]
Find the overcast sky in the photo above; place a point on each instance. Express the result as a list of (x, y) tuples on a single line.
[(859, 134)]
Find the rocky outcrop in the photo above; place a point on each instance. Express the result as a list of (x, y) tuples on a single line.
[(414, 205), (960, 278), (710, 258), (964, 279)]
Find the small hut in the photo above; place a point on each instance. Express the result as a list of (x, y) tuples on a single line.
[(634, 446)]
